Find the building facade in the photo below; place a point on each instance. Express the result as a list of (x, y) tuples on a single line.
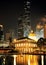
[(1, 33), (24, 25), (25, 45)]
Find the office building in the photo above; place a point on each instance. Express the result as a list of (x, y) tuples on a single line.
[(1, 33), (24, 22)]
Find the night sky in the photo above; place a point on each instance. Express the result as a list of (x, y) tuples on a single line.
[(10, 10)]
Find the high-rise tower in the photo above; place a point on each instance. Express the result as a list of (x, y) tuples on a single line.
[(24, 25), (1, 33)]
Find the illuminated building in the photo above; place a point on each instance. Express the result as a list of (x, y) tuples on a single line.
[(20, 27), (1, 33), (25, 45), (24, 25)]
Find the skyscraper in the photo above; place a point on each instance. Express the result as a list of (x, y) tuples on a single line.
[(24, 25), (1, 33)]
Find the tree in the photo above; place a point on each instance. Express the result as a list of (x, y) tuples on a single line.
[(40, 43)]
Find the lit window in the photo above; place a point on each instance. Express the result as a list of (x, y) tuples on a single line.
[(29, 44), (17, 45), (22, 44), (29, 49)]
